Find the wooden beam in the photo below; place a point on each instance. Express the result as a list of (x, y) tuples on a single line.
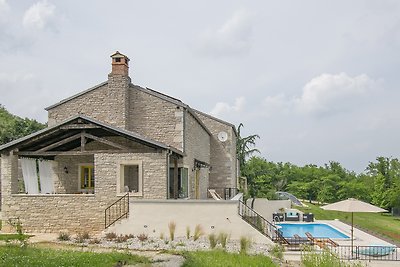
[(83, 141), (80, 126), (60, 143), (104, 141), (69, 153)]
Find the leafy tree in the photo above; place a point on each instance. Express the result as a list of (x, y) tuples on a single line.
[(13, 127), (245, 146)]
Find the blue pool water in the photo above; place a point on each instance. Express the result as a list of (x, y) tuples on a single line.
[(316, 229)]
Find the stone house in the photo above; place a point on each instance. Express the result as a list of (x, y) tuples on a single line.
[(110, 141)]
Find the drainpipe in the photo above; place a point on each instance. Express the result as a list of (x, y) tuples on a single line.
[(169, 153)]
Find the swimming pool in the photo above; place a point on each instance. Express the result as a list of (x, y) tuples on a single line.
[(316, 229)]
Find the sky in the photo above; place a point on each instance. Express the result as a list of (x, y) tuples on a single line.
[(316, 80)]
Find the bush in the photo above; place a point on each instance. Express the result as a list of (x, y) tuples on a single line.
[(121, 238), (142, 237), (111, 236), (213, 240), (223, 239), (82, 237), (172, 227), (245, 244), (62, 236), (277, 251), (310, 258), (198, 231), (187, 232)]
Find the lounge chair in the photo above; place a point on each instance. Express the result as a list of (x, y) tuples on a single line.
[(321, 242), (214, 194)]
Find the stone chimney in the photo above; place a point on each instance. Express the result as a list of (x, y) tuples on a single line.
[(120, 64)]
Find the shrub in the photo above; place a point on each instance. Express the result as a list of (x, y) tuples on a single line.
[(121, 238), (130, 236), (310, 258), (172, 227), (213, 240), (85, 235), (142, 237), (187, 232), (277, 251), (198, 231), (95, 241), (245, 244), (63, 236), (162, 236), (111, 236), (223, 239)]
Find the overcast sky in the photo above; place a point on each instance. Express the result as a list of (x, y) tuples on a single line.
[(317, 80)]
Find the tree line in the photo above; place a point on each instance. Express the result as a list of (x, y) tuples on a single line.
[(13, 127), (379, 184)]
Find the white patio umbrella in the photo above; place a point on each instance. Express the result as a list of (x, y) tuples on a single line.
[(353, 205)]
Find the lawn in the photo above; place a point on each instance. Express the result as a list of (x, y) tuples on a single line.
[(219, 258), (8, 237), (379, 224), (11, 255)]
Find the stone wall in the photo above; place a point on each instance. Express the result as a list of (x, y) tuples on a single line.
[(223, 154), (155, 118), (197, 146), (78, 212), (154, 166), (106, 103)]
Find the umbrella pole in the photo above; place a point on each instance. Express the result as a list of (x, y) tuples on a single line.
[(352, 234)]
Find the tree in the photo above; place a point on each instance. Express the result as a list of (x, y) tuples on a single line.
[(13, 127), (245, 146)]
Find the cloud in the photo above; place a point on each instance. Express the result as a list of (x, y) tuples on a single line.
[(334, 92), (274, 104), (10, 78), (39, 15), (232, 38), (4, 11), (225, 108)]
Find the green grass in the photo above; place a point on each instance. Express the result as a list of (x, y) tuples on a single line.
[(220, 258), (381, 224), (11, 255), (8, 237)]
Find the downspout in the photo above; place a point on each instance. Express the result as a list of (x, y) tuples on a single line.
[(169, 153)]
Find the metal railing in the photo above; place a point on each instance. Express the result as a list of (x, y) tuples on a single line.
[(116, 211), (225, 192), (259, 222), (375, 253)]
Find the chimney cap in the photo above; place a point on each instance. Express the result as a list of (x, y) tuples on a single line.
[(117, 54)]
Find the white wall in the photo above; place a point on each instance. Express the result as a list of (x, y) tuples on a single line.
[(266, 207), (152, 217)]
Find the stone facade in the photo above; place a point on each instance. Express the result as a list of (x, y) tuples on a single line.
[(106, 102), (72, 211), (155, 118), (223, 154), (197, 147), (182, 133)]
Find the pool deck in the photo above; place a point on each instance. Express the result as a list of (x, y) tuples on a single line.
[(361, 238)]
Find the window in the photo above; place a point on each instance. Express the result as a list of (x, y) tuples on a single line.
[(118, 59), (130, 174), (87, 177), (182, 183)]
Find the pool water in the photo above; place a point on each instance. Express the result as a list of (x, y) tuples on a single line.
[(316, 229)]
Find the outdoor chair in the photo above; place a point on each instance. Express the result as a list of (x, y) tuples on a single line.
[(214, 194), (321, 242)]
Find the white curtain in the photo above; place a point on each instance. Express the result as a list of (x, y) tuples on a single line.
[(46, 176), (29, 174)]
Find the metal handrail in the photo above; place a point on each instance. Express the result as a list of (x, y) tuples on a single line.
[(116, 211), (259, 222)]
